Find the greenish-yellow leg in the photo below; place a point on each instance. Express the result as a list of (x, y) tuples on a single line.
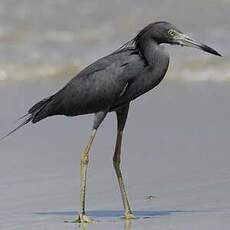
[(116, 162), (84, 160)]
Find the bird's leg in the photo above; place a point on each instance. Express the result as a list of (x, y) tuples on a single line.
[(84, 160), (116, 163), (121, 118)]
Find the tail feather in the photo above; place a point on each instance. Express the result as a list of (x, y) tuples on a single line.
[(38, 105), (41, 110), (27, 120), (31, 116)]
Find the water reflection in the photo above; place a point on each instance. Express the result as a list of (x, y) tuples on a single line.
[(127, 225), (114, 216)]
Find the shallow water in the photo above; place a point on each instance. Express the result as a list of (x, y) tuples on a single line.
[(176, 149), (56, 38)]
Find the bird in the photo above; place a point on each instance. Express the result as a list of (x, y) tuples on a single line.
[(110, 84)]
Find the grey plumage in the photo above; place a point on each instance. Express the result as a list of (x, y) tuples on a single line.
[(113, 80), (110, 84)]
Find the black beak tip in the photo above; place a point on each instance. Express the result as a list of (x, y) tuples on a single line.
[(210, 50), (216, 53)]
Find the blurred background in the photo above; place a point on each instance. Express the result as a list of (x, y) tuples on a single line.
[(177, 134), (47, 38)]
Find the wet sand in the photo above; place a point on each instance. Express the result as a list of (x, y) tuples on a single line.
[(175, 161)]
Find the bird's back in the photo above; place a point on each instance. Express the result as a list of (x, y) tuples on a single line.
[(95, 88)]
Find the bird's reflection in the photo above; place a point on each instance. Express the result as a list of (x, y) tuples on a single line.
[(114, 216), (127, 225), (83, 226)]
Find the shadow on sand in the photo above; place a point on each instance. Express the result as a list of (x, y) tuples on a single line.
[(117, 213), (112, 216)]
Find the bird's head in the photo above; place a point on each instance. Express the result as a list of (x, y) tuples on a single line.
[(165, 32)]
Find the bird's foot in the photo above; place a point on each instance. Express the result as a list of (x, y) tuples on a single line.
[(82, 218), (129, 216)]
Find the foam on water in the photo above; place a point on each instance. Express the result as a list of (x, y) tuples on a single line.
[(58, 38), (199, 70), (12, 71), (215, 71)]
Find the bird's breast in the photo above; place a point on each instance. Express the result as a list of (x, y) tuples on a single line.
[(147, 79)]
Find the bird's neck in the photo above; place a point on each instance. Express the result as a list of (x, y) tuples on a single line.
[(149, 50)]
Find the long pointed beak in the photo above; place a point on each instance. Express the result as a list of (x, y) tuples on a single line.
[(185, 40)]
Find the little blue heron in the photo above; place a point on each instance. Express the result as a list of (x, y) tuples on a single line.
[(109, 85)]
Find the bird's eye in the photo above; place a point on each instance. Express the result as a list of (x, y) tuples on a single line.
[(172, 33)]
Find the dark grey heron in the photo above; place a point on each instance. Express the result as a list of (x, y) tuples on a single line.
[(109, 85)]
